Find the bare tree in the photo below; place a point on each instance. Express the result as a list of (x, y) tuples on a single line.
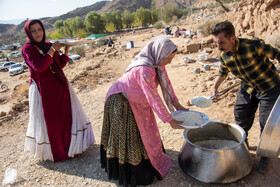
[(225, 8)]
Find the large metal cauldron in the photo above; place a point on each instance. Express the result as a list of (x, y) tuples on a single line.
[(269, 145), (216, 165)]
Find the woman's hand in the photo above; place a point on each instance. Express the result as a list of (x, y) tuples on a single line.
[(178, 106), (56, 45), (175, 124)]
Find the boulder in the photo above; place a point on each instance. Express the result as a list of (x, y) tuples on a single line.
[(192, 48), (2, 114), (271, 3), (17, 106), (25, 102)]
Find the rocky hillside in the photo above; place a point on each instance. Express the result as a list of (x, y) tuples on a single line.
[(254, 18), (100, 7), (251, 18)]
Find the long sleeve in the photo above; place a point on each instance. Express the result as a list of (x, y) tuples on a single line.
[(223, 70), (146, 79), (36, 60), (63, 59), (267, 50), (175, 99)]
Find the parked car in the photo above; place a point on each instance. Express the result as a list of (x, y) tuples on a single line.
[(24, 65), (73, 57), (16, 69), (15, 54), (5, 66)]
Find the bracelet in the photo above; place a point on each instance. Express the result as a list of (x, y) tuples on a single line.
[(53, 48)]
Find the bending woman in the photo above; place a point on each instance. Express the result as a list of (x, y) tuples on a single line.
[(58, 126), (131, 148)]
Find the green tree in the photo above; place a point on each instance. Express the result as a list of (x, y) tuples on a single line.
[(94, 23), (68, 25), (81, 33), (110, 27), (143, 16), (127, 18), (56, 35), (58, 24), (136, 22), (154, 12), (78, 25), (118, 19), (170, 10), (107, 17), (109, 21)]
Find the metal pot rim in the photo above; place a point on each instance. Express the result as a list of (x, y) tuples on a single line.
[(223, 122)]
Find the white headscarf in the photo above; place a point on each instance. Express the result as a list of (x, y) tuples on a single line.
[(151, 55)]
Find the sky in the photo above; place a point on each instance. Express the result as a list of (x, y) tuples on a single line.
[(12, 10)]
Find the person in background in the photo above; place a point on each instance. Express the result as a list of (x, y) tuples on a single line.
[(248, 59), (131, 148), (7, 59), (177, 32), (167, 30), (110, 42), (58, 127)]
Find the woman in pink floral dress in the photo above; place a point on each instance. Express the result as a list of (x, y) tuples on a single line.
[(131, 148)]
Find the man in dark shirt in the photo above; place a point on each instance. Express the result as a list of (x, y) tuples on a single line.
[(248, 59)]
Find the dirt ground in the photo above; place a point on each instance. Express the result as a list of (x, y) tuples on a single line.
[(96, 75)]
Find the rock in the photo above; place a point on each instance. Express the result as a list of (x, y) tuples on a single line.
[(192, 48), (208, 50), (11, 112), (109, 50), (271, 3), (83, 73), (89, 68), (196, 70), (189, 103), (209, 45), (25, 102), (97, 53), (17, 106), (206, 67), (100, 61), (208, 40), (3, 114), (230, 104)]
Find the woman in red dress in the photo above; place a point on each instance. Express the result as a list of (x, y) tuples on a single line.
[(58, 127)]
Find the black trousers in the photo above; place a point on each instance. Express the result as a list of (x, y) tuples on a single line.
[(247, 104)]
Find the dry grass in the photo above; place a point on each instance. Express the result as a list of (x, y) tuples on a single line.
[(207, 26), (21, 91)]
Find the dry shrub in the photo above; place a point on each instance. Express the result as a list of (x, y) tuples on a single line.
[(207, 26), (273, 39), (158, 25), (80, 50), (21, 91)]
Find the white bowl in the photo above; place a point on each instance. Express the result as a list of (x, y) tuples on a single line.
[(203, 56), (186, 123)]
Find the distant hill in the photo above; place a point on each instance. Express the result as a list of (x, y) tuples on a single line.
[(100, 7)]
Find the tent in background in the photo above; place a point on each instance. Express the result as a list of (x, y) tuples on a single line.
[(95, 36)]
